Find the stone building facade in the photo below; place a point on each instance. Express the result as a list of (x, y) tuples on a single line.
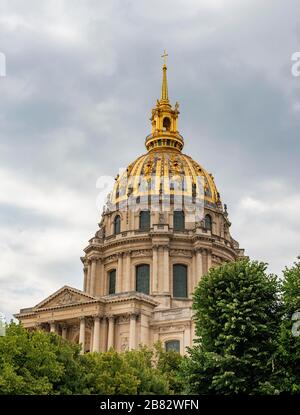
[(162, 228)]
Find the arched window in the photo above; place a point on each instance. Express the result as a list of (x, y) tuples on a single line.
[(180, 281), (112, 281), (178, 220), (172, 345), (166, 124), (145, 220), (143, 278), (117, 225), (208, 222)]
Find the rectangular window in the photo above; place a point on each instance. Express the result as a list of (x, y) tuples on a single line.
[(145, 220), (112, 282), (143, 279), (173, 345), (178, 220), (180, 281)]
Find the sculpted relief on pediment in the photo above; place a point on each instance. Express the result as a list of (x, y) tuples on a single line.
[(66, 297)]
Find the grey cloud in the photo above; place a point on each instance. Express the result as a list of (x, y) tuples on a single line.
[(82, 77)]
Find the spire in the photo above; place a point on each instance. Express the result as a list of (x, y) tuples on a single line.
[(164, 120), (164, 87)]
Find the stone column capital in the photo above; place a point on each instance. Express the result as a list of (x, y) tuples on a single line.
[(97, 316), (95, 258), (110, 317), (134, 315)]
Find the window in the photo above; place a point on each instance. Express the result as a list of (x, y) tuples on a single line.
[(112, 282), (117, 225), (145, 220), (166, 124), (143, 279), (178, 220), (173, 345), (180, 281), (208, 222)]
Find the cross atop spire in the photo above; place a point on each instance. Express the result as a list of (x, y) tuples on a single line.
[(165, 55), (164, 87)]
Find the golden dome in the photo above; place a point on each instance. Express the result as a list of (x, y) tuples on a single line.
[(164, 172)]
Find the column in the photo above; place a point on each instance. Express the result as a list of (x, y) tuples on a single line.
[(209, 261), (103, 334), (166, 273), (155, 270), (132, 331), (144, 329), (93, 276), (88, 279), (187, 341), (52, 327), (85, 273), (119, 274), (96, 337), (199, 266), (64, 331), (82, 334), (127, 273), (194, 270), (103, 278), (111, 332)]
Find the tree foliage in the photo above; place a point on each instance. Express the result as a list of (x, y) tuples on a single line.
[(289, 343), (36, 362), (237, 316)]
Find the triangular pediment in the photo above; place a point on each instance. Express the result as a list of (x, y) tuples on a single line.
[(65, 296)]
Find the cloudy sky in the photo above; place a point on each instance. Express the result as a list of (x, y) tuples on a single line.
[(81, 79)]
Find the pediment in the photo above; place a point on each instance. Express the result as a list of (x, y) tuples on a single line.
[(65, 296)]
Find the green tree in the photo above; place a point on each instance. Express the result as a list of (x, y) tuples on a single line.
[(152, 380), (35, 362), (289, 342), (169, 363), (108, 374), (131, 372), (237, 316)]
